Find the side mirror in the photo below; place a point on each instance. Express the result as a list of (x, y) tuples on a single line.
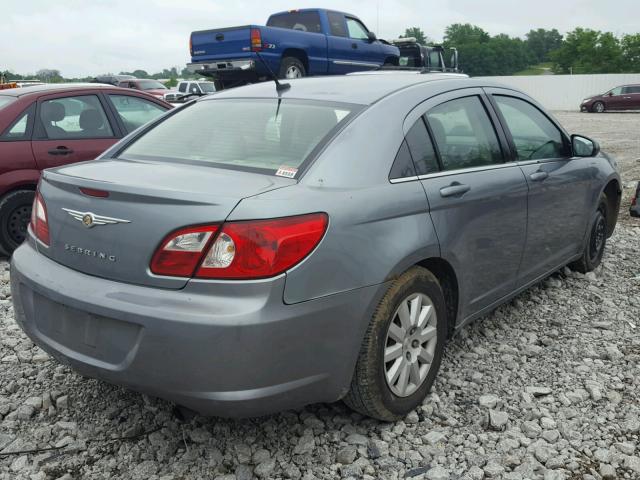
[(584, 146), (610, 94), (371, 36)]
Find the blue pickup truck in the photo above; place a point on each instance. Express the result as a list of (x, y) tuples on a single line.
[(294, 44)]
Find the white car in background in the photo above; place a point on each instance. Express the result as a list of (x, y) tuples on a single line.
[(189, 89)]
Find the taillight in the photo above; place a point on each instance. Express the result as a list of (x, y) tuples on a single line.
[(241, 250), (39, 222), (191, 46), (256, 40), (181, 252)]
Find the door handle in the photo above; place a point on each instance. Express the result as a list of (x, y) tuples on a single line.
[(454, 189), (354, 45), (62, 150), (538, 176)]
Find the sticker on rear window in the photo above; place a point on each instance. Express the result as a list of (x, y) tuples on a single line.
[(288, 172)]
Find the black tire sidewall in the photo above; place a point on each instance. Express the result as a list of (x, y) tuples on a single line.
[(289, 61), (400, 406), (601, 212), (8, 205)]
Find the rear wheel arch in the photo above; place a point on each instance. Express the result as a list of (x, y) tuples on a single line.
[(299, 54), (391, 60), (448, 280)]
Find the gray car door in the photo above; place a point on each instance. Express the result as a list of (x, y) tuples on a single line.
[(559, 185), (478, 201)]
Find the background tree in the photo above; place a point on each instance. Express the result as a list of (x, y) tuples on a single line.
[(418, 34), (630, 45), (540, 42), (49, 75), (588, 51)]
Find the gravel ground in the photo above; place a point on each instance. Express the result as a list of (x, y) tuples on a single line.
[(546, 387)]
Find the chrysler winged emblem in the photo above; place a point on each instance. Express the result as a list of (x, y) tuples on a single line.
[(90, 219)]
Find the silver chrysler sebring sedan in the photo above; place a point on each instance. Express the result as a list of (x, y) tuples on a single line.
[(261, 248)]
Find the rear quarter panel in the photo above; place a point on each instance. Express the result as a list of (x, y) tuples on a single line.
[(276, 41)]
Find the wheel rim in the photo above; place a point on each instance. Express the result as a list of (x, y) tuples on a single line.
[(410, 344), (293, 72), (17, 223), (598, 233), (599, 107)]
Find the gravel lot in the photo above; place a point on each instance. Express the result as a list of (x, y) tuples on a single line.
[(546, 387)]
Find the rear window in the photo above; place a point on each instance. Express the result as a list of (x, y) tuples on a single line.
[(150, 85), (6, 100), (302, 21), (261, 135)]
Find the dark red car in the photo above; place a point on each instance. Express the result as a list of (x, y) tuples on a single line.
[(150, 86), (624, 97), (50, 125)]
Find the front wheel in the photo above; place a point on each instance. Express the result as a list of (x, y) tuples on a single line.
[(594, 248), (402, 349), (598, 107), (291, 67), (15, 213)]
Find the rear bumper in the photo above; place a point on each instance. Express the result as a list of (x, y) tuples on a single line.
[(222, 65), (220, 348)]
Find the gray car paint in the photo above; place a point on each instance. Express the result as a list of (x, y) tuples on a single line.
[(242, 348)]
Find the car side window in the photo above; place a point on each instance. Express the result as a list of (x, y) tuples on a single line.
[(18, 129), (464, 134), (135, 112), (534, 135), (616, 91), (74, 117), (403, 164), (182, 88), (356, 29), (421, 148), (336, 24)]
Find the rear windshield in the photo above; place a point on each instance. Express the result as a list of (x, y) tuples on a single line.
[(6, 100), (261, 135), (150, 85), (207, 87)]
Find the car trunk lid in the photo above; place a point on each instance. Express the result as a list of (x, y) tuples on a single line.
[(146, 201)]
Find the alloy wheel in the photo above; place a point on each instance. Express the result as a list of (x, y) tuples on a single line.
[(293, 72), (410, 344)]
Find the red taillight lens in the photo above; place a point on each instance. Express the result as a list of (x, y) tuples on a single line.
[(94, 192), (39, 222), (181, 252), (191, 46), (240, 250), (256, 40)]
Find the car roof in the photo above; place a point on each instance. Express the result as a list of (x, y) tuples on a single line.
[(363, 89), (52, 88)]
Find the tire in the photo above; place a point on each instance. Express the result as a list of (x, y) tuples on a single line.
[(371, 393), (291, 67), (595, 245), (598, 107), (15, 212)]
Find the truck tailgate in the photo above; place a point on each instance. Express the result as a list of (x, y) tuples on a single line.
[(221, 43)]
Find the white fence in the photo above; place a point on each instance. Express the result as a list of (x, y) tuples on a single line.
[(565, 92)]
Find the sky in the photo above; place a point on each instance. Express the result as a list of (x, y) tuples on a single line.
[(90, 37)]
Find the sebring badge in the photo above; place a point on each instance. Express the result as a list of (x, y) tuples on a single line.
[(89, 219)]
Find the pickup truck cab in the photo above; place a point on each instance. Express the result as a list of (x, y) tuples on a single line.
[(296, 43)]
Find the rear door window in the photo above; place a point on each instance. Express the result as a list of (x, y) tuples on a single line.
[(336, 24), (421, 147), (135, 112), (301, 21), (74, 118), (259, 135), (534, 135), (464, 134)]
